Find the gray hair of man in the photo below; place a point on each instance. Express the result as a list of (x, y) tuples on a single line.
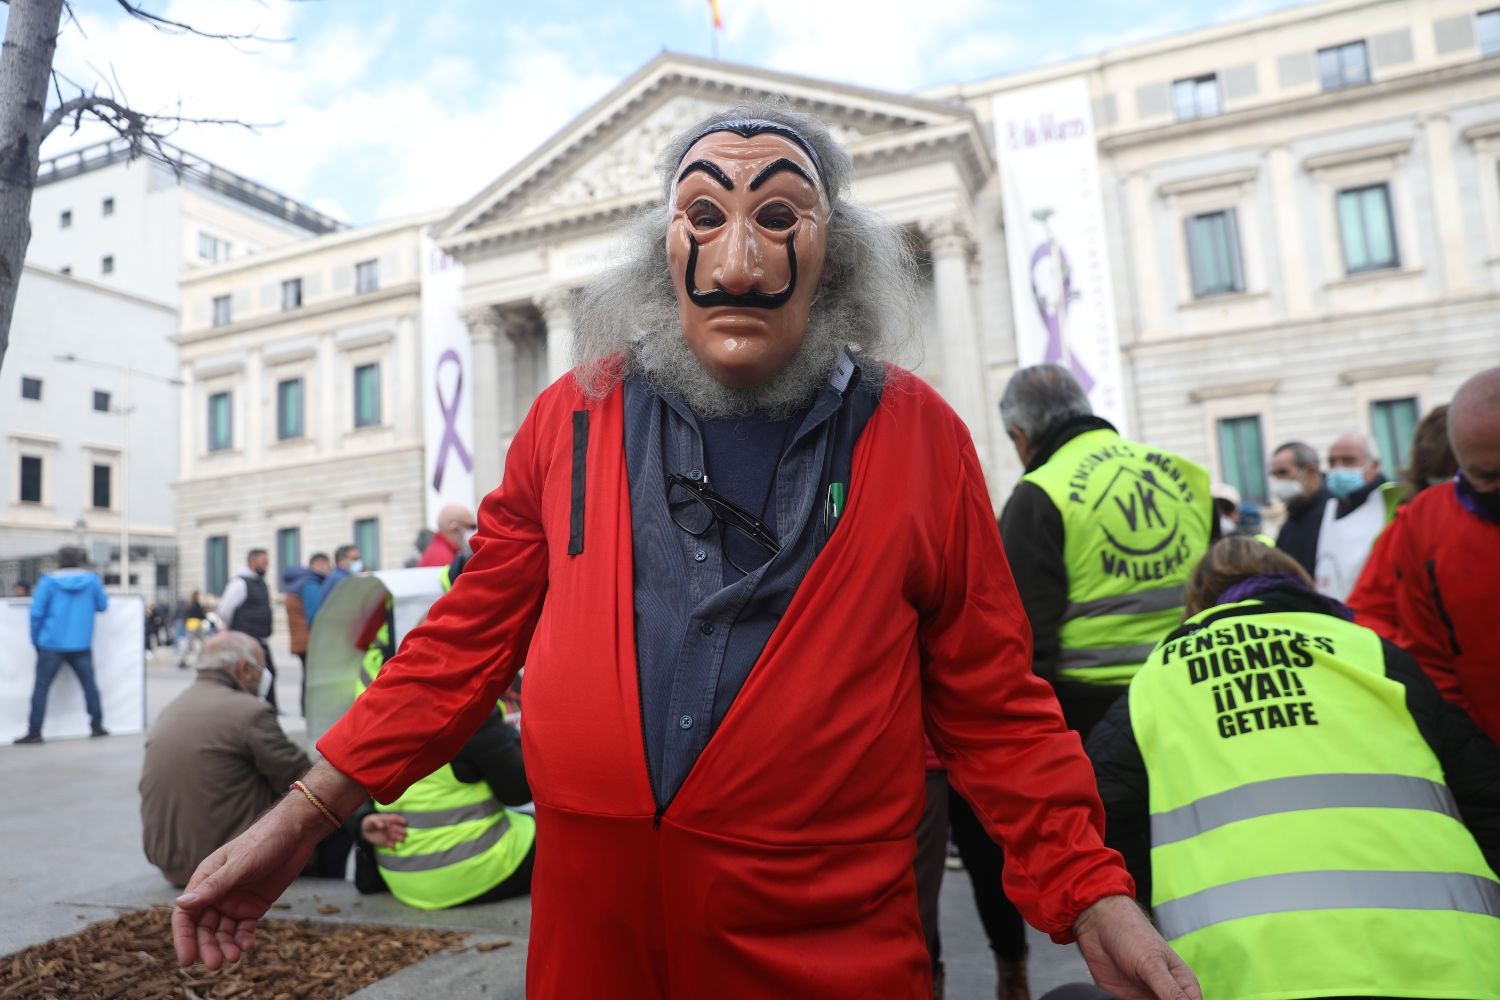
[(1039, 398), (1304, 455), (628, 320), (228, 650)]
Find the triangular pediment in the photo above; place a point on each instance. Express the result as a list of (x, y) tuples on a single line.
[(602, 164)]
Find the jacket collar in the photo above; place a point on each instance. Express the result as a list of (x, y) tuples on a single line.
[(1056, 437)]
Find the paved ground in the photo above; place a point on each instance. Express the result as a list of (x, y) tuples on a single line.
[(70, 854)]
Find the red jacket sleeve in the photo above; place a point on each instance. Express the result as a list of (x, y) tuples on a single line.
[(999, 731), (454, 667), (1374, 596)]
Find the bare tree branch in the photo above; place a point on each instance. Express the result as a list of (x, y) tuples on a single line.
[(172, 27), (139, 127)]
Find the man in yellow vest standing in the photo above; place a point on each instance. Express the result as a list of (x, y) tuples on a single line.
[(1306, 814), (1101, 534)]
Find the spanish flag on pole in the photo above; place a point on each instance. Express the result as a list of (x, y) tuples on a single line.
[(718, 19)]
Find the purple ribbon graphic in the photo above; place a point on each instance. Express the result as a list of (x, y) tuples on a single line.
[(451, 440), (1054, 318)]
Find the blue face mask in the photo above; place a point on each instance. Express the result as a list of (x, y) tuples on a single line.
[(1341, 482)]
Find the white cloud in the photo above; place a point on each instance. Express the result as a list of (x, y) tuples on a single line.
[(413, 140), (890, 44)]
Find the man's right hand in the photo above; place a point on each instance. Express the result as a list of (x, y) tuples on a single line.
[(215, 919)]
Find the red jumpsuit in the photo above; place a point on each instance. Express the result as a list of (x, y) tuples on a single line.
[(783, 867)]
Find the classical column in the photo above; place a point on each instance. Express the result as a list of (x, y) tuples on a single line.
[(1293, 231), (557, 309), (485, 327), (1140, 203), (950, 242), (1447, 204)]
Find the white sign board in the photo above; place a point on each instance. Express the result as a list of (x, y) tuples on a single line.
[(1055, 237), (119, 672), (447, 385)]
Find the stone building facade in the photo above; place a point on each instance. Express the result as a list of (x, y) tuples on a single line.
[(1303, 212), (301, 419)]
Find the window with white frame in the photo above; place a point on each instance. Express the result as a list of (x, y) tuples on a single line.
[(1487, 25), (107, 206), (100, 482), (1367, 229), (1342, 66), (216, 563), (290, 409), (291, 294), (367, 395), (211, 248), (31, 479), (220, 421), (31, 388), (288, 548), (1197, 97), (1395, 424), (101, 401), (223, 310), (366, 276), (367, 538), (1242, 458), (1213, 246)]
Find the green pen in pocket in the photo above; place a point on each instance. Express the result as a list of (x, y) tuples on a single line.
[(835, 505)]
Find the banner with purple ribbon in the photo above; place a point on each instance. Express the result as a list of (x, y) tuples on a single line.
[(1062, 294), (447, 386)]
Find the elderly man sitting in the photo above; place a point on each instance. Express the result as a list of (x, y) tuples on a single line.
[(216, 759)]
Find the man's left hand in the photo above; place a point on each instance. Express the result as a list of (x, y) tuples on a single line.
[(1127, 956)]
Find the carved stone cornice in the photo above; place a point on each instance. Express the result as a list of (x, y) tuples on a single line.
[(557, 305), (947, 235), (484, 323)]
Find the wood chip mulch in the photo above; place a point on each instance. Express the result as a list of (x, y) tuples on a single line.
[(131, 958)]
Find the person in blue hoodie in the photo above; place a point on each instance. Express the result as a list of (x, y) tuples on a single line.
[(62, 630)]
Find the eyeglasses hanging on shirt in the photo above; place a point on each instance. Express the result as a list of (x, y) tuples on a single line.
[(695, 509)]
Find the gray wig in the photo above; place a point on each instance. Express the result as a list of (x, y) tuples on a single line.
[(628, 318)]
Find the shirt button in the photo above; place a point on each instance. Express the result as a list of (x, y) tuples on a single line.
[(695, 475), (686, 722), (707, 628), (699, 556)]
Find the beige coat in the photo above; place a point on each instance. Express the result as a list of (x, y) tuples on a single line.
[(216, 759)]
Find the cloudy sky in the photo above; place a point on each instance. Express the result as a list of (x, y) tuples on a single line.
[(383, 107)]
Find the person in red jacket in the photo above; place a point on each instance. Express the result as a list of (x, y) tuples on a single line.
[(1432, 590), (747, 565), (455, 525)]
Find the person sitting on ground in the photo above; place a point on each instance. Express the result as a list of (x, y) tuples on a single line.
[(406, 849), (1306, 814), (216, 758)]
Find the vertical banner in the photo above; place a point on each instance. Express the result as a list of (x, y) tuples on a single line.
[(1055, 237), (447, 385)]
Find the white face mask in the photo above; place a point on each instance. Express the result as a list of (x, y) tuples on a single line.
[(357, 566), (1226, 527), (264, 688), (1286, 490)]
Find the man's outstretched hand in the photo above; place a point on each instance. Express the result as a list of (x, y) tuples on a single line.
[(1128, 957), (214, 920)]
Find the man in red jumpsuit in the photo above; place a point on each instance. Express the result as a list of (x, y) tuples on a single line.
[(1431, 584), (746, 564)]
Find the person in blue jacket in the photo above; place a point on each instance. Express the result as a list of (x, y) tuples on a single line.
[(62, 630)]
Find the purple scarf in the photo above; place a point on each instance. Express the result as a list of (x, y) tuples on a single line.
[(1256, 585)]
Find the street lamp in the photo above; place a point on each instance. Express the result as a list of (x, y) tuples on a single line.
[(124, 411)]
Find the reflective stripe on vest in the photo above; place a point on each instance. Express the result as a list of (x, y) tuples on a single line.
[(1328, 890), (428, 818), (452, 856), (1135, 521), (1303, 841), (1306, 791)]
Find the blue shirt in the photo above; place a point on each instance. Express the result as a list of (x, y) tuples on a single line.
[(699, 629)]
